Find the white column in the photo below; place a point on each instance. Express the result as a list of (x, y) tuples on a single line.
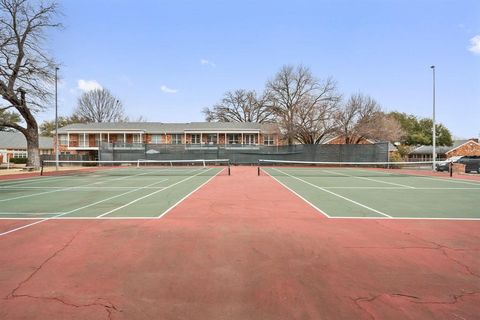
[(68, 139), (242, 138)]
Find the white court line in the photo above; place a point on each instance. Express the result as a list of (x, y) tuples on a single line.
[(298, 195), (74, 210), (188, 195), (410, 218), (339, 217), (454, 180), (336, 194), (150, 194), (17, 182), (70, 188), (77, 188), (31, 213), (370, 179)]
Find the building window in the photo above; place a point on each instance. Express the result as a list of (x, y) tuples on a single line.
[(250, 139), (63, 138), (157, 139), (176, 139), (82, 140), (196, 139), (233, 138), (268, 140), (212, 138), (19, 153), (137, 138)]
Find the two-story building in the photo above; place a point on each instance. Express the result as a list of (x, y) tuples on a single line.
[(87, 138)]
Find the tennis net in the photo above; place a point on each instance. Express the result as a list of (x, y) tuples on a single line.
[(343, 169), (137, 167)]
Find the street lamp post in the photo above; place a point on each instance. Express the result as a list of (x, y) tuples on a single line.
[(434, 133), (56, 120)]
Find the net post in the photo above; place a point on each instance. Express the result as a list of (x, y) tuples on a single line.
[(228, 168), (450, 168), (41, 167), (258, 168)]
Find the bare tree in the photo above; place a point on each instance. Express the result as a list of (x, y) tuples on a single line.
[(295, 91), (99, 105), (315, 122), (26, 70), (362, 118), (240, 106)]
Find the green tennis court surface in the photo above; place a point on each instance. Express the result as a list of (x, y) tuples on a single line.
[(364, 193), (104, 193)]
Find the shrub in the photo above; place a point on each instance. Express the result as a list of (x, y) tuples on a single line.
[(18, 160)]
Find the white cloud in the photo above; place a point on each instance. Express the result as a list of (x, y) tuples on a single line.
[(88, 85), (475, 45), (205, 62), (166, 89)]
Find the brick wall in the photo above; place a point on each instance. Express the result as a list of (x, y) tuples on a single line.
[(470, 148)]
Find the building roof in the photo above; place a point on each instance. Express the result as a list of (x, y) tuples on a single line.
[(160, 127), (439, 149), (16, 140)]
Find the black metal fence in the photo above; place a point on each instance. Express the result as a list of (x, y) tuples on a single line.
[(245, 154)]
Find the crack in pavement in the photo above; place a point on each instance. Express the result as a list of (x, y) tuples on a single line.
[(435, 246), (410, 298), (109, 307)]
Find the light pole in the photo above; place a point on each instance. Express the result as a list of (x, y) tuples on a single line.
[(434, 133), (56, 120)]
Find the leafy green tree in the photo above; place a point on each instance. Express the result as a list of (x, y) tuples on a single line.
[(47, 128), (8, 117), (419, 131)]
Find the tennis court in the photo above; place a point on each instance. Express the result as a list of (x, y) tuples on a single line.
[(123, 190), (372, 191), (86, 243)]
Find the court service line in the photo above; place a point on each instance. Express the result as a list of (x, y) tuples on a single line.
[(298, 195), (149, 194), (23, 181), (370, 179), (336, 194), (70, 188), (188, 195), (31, 213), (444, 179), (78, 209)]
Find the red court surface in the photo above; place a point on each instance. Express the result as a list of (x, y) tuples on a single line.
[(241, 247)]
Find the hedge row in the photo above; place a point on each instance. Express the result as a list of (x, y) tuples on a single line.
[(18, 160)]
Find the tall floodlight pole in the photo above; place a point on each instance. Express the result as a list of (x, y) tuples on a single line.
[(434, 131), (56, 120)]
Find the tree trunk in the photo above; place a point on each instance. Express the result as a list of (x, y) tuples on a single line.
[(32, 148)]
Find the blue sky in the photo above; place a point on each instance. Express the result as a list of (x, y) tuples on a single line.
[(167, 60)]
